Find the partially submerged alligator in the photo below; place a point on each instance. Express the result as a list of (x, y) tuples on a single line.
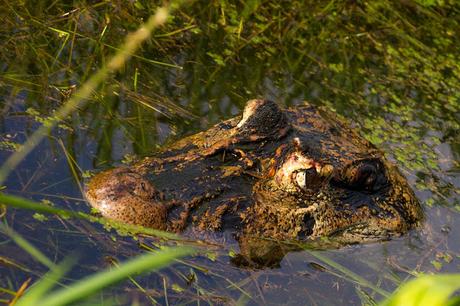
[(295, 174)]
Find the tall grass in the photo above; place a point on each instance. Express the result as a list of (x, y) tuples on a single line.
[(131, 44), (40, 293)]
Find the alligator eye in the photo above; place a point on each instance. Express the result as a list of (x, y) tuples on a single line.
[(363, 175), (301, 179), (307, 178)]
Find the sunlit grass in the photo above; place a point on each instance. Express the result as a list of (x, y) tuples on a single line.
[(41, 293), (427, 290), (18, 202), (132, 42)]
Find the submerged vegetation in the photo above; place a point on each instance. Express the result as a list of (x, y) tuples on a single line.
[(389, 66)]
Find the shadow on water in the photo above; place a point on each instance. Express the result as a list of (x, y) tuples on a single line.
[(390, 67)]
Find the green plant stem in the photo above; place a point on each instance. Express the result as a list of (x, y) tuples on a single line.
[(19, 202), (132, 42)]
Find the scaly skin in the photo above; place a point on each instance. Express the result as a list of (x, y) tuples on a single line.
[(299, 173)]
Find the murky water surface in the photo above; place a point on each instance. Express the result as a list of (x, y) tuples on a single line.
[(208, 62)]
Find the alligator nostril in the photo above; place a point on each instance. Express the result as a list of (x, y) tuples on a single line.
[(307, 226), (367, 175), (363, 175), (144, 190)]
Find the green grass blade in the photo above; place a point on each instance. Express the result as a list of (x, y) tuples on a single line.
[(131, 44), (426, 290), (22, 203), (44, 285), (89, 285), (27, 246), (353, 276)]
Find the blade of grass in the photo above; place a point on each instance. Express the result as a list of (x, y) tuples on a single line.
[(48, 281), (74, 33), (9, 262), (353, 276), (20, 292), (135, 283), (426, 290), (18, 202), (206, 271), (7, 291), (89, 285), (27, 246), (132, 42), (72, 165)]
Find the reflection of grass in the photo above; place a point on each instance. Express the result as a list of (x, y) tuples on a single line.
[(40, 293), (132, 42)]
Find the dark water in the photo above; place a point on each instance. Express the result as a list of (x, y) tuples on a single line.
[(390, 68)]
